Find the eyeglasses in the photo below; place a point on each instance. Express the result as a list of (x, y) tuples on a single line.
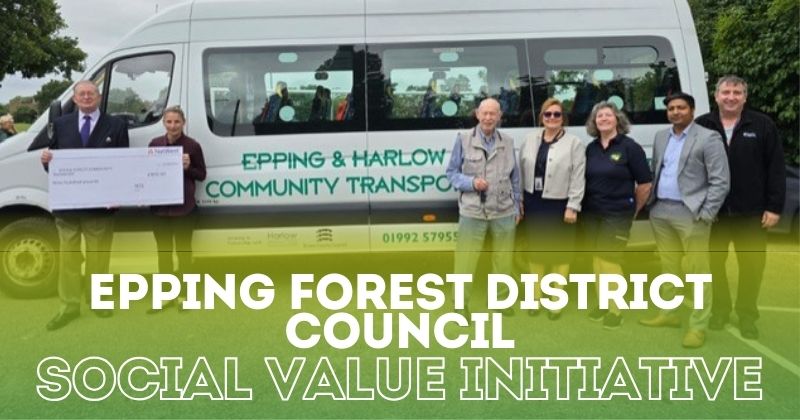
[(549, 114)]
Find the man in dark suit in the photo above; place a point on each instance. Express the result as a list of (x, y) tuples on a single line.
[(691, 181), (83, 129)]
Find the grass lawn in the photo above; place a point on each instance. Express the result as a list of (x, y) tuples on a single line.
[(21, 127), (252, 335)]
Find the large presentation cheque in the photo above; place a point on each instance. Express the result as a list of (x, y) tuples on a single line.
[(97, 178)]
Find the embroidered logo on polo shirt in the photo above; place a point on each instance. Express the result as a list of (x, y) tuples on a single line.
[(615, 156), (749, 135)]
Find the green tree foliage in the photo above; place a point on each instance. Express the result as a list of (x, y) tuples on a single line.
[(49, 92), (31, 42), (25, 114), (125, 101), (759, 41)]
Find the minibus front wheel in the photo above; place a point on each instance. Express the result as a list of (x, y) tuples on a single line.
[(29, 259)]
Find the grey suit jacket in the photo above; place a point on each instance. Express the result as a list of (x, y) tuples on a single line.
[(703, 173)]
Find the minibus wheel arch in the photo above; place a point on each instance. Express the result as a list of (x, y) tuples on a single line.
[(29, 257)]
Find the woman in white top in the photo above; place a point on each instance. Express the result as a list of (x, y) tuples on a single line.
[(552, 164)]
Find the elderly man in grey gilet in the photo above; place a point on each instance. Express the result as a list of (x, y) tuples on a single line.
[(483, 169)]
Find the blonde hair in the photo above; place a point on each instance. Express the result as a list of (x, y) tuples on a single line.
[(6, 118), (175, 109)]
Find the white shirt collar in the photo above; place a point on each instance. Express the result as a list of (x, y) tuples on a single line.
[(95, 115)]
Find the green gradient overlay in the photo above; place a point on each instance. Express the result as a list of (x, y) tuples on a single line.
[(251, 335)]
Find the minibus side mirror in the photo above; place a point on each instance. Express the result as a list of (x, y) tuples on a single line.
[(54, 111)]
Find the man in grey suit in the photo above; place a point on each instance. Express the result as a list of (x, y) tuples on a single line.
[(691, 181)]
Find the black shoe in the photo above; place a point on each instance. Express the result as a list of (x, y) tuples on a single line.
[(534, 312), (612, 321), (748, 329), (597, 314), (717, 322), (103, 313), (61, 320), (553, 316)]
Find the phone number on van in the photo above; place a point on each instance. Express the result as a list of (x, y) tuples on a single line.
[(416, 237)]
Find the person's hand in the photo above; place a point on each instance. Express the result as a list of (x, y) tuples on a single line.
[(480, 184), (47, 156), (769, 219), (570, 216), (186, 161)]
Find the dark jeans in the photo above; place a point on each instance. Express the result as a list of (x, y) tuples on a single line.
[(750, 244), (174, 234)]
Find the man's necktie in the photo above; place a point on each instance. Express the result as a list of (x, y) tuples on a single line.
[(85, 130)]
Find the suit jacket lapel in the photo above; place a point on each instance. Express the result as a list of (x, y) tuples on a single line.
[(687, 148), (73, 134), (98, 136)]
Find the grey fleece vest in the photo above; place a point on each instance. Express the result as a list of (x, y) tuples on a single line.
[(495, 167)]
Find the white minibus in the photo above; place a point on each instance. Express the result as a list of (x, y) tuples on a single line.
[(326, 126)]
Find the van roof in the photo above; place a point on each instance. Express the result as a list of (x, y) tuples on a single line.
[(300, 21)]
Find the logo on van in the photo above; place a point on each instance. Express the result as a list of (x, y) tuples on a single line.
[(325, 235)]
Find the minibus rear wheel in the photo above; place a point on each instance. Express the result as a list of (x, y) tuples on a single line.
[(29, 259)]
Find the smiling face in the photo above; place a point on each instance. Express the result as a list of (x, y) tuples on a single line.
[(86, 97), (174, 123), (606, 121), (553, 117), (730, 98), (488, 114), (679, 113)]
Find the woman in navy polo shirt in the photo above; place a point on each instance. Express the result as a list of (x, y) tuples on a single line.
[(618, 182)]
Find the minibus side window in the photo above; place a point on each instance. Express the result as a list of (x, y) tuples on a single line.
[(263, 91), (635, 73), (439, 85), (139, 88)]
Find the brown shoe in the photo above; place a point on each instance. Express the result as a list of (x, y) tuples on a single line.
[(662, 320), (694, 339)]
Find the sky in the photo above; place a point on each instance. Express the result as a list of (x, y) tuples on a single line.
[(98, 25)]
